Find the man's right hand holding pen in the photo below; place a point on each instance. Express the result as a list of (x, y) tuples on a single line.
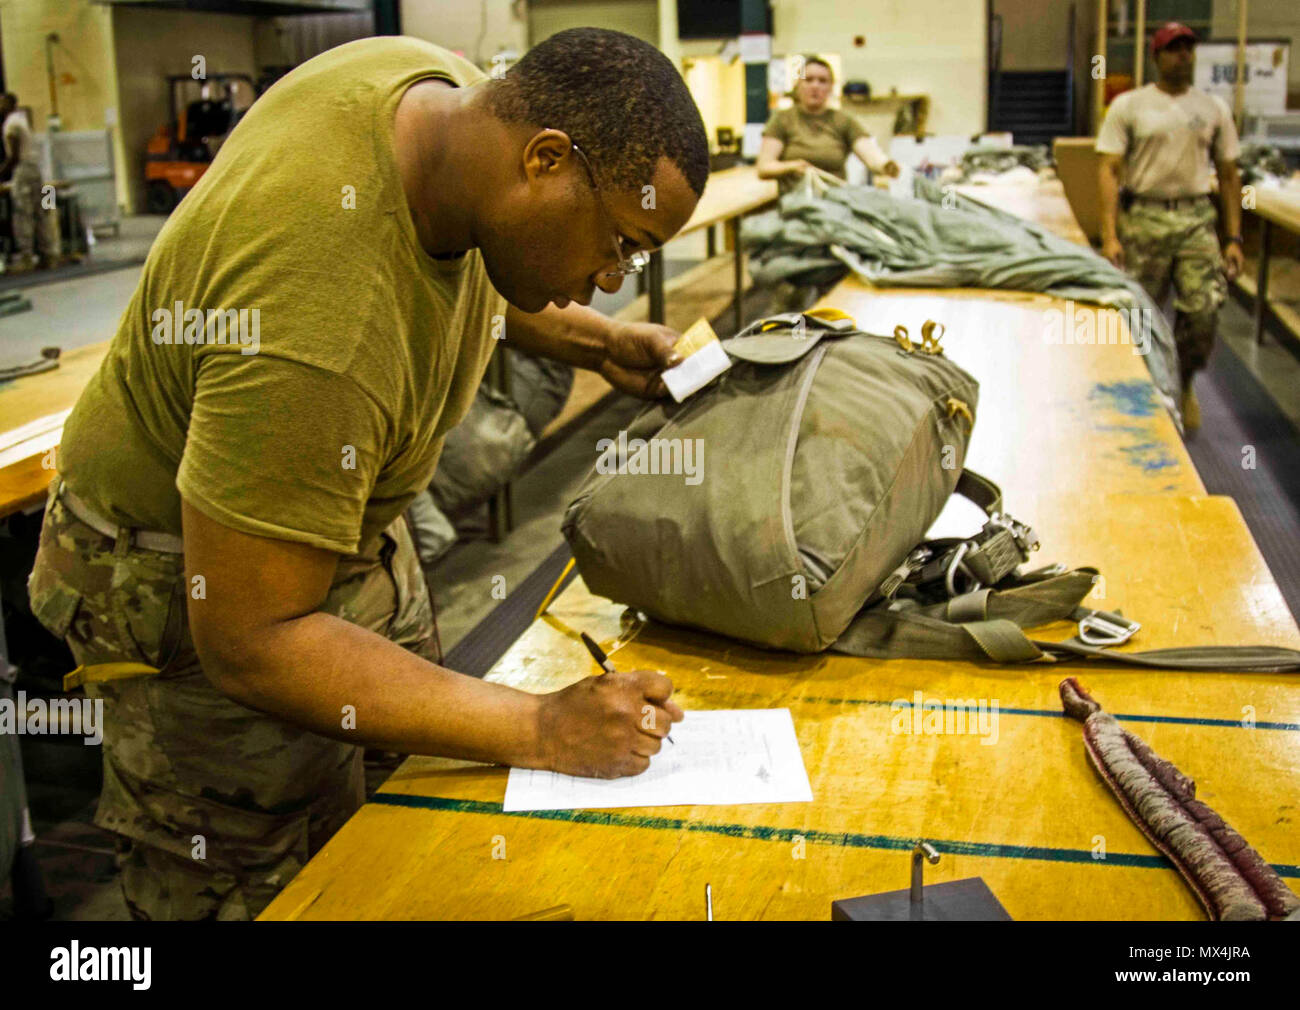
[(608, 726)]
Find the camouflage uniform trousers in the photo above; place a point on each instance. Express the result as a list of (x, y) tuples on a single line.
[(31, 222), (1163, 246), (216, 806)]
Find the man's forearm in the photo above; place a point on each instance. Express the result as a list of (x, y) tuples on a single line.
[(1108, 185), (575, 334), (306, 671), (1230, 198), (776, 169), (868, 150)]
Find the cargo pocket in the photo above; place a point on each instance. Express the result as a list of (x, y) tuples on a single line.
[(147, 603), (52, 596), (388, 597), (53, 601), (216, 836)]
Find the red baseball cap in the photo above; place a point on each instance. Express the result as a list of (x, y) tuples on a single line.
[(1170, 31)]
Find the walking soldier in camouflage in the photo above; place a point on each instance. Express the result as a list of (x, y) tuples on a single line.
[(1163, 138), (224, 547)]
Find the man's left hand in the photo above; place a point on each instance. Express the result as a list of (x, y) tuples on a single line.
[(635, 354), (1233, 260)]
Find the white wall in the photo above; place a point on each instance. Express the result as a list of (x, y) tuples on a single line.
[(478, 30), (635, 17)]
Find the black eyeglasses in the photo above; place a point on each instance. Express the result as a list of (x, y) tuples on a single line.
[(632, 264)]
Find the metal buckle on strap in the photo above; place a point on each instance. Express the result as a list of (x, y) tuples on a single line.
[(1101, 627), (955, 567), (1025, 537), (913, 563), (983, 560)]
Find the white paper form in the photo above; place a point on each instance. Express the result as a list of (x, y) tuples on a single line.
[(718, 757)]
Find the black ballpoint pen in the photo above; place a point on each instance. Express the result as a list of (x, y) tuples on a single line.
[(598, 654)]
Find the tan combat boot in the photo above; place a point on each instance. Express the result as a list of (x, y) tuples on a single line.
[(1191, 411)]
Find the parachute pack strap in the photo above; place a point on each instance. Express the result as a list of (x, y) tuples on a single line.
[(969, 606), (1043, 601), (982, 491), (1230, 658), (98, 673), (1002, 641)]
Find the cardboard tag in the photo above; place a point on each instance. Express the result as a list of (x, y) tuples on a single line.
[(703, 361)]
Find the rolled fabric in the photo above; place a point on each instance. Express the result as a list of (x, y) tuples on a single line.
[(1230, 879)]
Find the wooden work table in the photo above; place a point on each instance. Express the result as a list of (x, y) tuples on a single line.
[(1043, 202), (1070, 434), (728, 196), (1025, 813), (1274, 208), (32, 411)]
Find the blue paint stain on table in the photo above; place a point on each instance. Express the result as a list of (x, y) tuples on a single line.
[(1150, 456), (1135, 399)]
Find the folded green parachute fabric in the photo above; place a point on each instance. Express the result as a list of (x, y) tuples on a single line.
[(486, 449), (481, 453), (1002, 159), (943, 239), (540, 388)]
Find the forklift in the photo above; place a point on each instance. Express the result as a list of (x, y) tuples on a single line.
[(203, 112)]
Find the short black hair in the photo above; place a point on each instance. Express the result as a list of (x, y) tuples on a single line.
[(617, 97)]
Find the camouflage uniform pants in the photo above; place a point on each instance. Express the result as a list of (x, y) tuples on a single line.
[(216, 806), (1179, 247), (32, 223)]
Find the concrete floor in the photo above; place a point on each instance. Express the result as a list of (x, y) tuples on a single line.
[(75, 856), (1271, 363)]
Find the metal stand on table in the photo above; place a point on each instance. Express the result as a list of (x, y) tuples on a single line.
[(954, 901)]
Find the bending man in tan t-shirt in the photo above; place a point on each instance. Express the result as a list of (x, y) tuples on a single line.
[(311, 321)]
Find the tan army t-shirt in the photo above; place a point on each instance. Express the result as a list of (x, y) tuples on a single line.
[(292, 358), (824, 139), (1168, 141)]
